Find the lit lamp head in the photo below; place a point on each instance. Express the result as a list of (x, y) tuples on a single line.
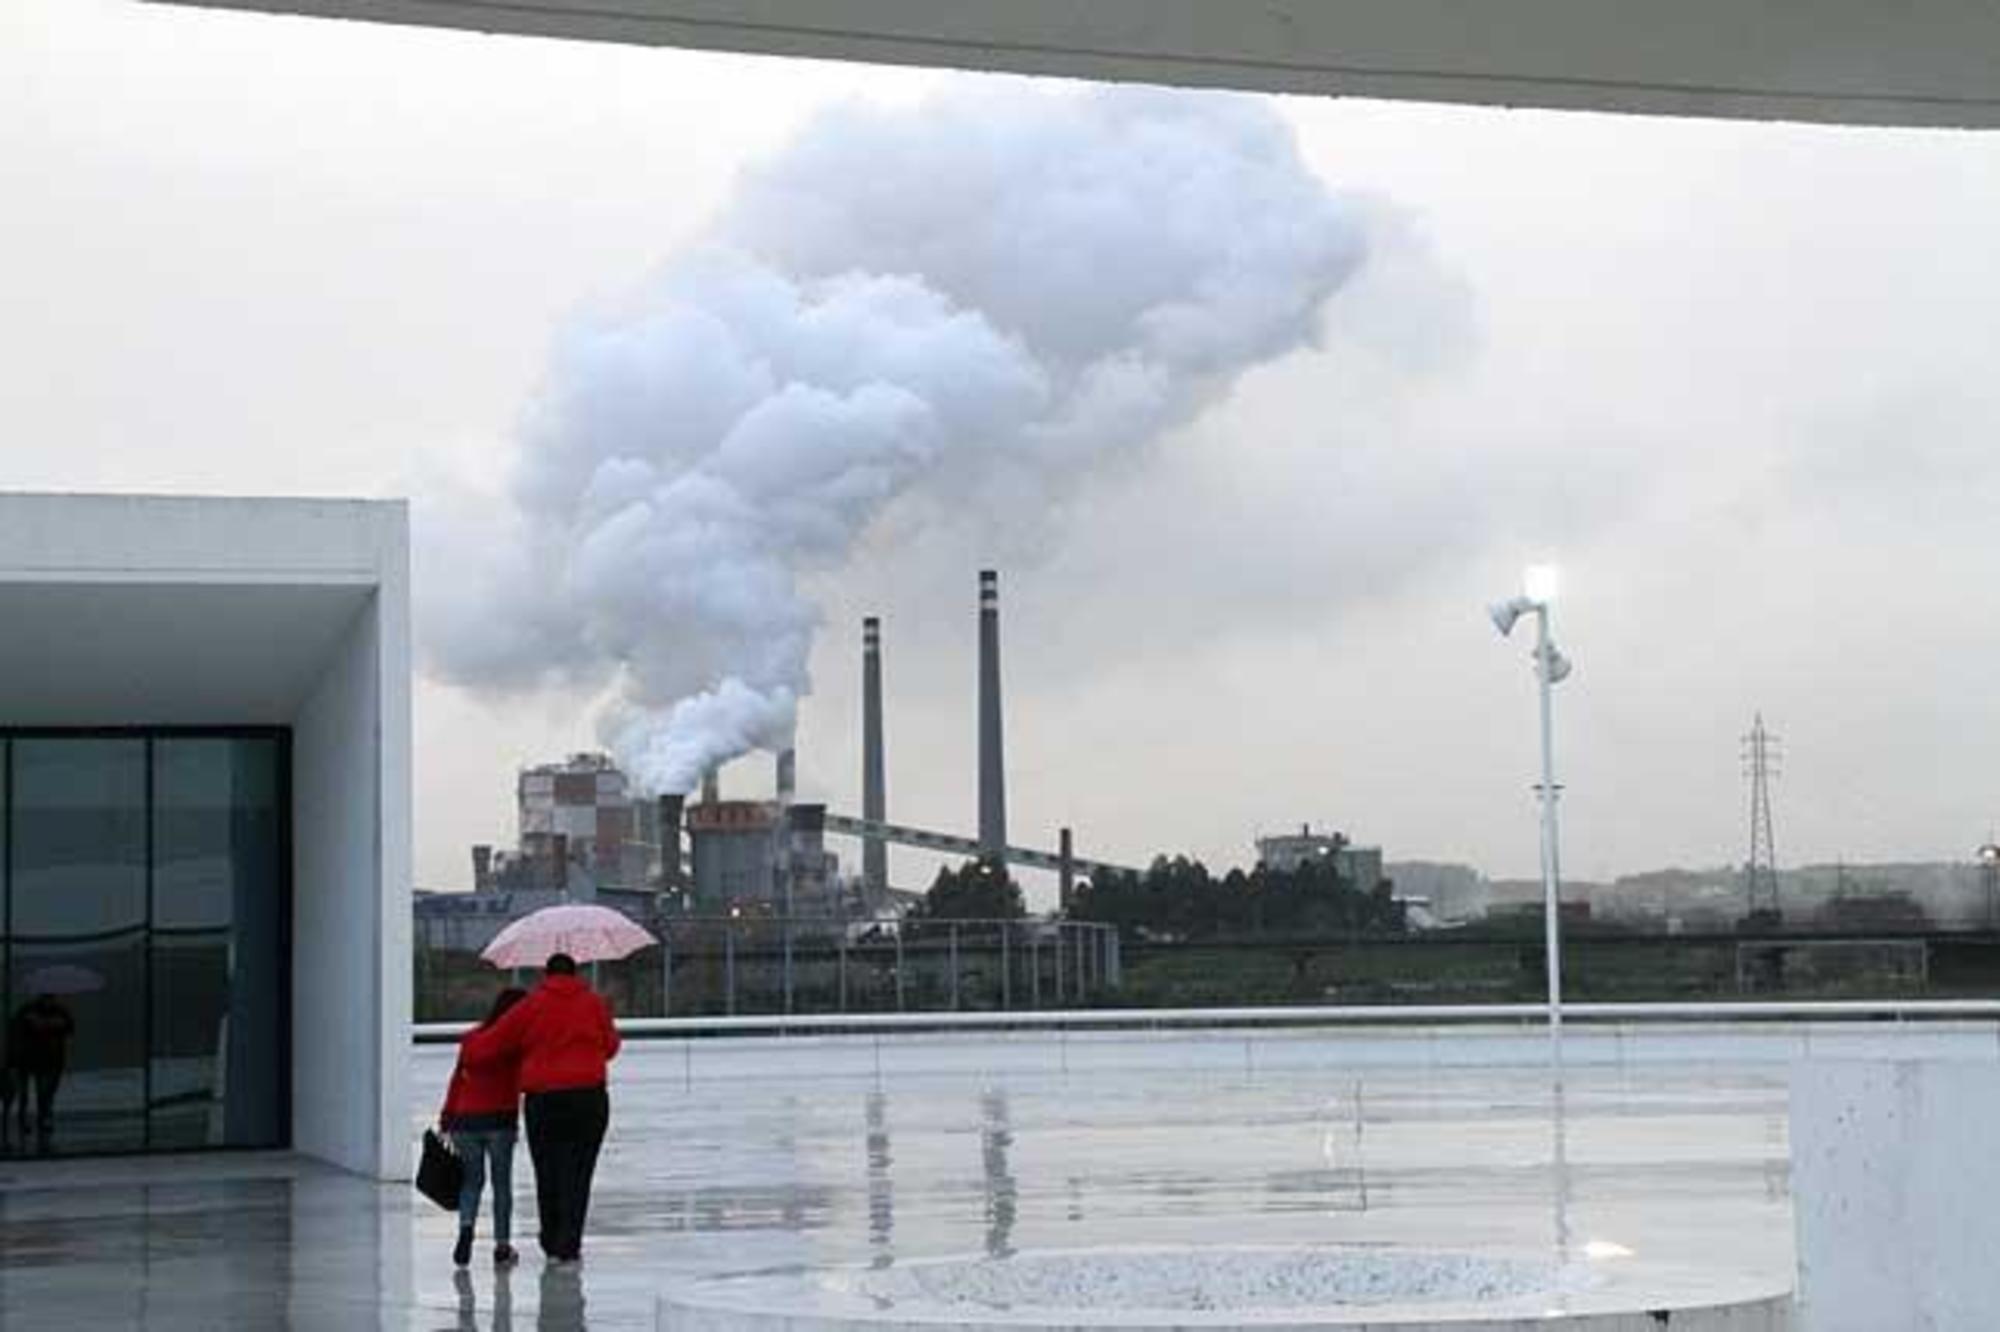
[(1988, 854), (1539, 585)]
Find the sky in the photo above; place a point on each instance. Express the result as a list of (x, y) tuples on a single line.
[(1729, 376)]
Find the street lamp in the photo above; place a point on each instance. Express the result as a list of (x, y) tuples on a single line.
[(1551, 668)]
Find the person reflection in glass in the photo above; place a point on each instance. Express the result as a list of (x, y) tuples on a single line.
[(38, 1039), (13, 1087)]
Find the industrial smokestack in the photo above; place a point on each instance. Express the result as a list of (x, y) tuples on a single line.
[(788, 774), (874, 772), (711, 786), (992, 766), (1065, 870), (672, 810)]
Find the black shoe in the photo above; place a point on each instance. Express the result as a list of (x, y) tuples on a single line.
[(504, 1255), (461, 1252)]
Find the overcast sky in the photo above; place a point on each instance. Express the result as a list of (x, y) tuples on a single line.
[(1735, 378)]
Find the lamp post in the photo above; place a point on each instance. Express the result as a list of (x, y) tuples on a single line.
[(1551, 668)]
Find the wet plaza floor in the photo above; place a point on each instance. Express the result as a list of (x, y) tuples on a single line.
[(743, 1156)]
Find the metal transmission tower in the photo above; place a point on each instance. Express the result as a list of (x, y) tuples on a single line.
[(1760, 873)]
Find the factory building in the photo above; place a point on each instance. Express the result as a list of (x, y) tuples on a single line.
[(1286, 852), (579, 826), (759, 857), (582, 836)]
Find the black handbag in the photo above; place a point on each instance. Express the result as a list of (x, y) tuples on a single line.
[(440, 1175)]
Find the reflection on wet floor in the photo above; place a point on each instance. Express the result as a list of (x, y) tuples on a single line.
[(994, 1141), (745, 1157), (881, 1185)]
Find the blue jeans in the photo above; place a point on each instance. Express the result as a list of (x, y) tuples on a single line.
[(475, 1149)]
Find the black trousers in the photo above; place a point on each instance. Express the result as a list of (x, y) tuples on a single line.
[(43, 1082), (565, 1130)]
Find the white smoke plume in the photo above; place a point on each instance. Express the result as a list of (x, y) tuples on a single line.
[(993, 289)]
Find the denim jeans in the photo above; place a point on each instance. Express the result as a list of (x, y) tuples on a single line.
[(476, 1149)]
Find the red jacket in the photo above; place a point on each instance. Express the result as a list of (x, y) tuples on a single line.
[(481, 1096), (561, 1033)]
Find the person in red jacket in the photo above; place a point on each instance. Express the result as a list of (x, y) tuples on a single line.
[(481, 1112), (563, 1036)]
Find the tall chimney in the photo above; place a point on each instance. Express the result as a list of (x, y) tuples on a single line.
[(874, 774), (672, 810), (711, 786), (992, 766), (788, 774), (1065, 870)]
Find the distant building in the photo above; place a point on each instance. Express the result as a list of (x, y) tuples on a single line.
[(582, 835), (1451, 894), (586, 836), (1286, 852), (576, 815), (763, 857), (1883, 910)]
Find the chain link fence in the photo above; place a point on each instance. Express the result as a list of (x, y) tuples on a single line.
[(757, 966)]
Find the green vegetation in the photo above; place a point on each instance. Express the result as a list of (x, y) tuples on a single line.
[(1179, 899), (976, 890)]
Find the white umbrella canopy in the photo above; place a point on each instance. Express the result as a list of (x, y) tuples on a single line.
[(587, 933)]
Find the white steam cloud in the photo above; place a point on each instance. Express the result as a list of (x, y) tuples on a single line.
[(984, 293)]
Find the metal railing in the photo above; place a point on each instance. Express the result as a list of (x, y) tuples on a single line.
[(752, 966)]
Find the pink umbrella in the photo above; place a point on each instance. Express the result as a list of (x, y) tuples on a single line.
[(586, 933)]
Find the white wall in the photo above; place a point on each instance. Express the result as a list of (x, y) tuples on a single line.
[(351, 898)]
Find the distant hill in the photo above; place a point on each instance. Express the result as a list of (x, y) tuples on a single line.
[(1946, 894)]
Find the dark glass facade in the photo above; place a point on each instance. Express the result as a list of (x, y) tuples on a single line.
[(145, 894)]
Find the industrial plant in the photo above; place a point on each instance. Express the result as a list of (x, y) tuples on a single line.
[(586, 833)]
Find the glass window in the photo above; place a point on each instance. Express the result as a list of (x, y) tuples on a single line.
[(144, 908), (217, 978), (77, 952)]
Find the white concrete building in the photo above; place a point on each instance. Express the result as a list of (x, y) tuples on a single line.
[(1288, 852), (205, 770)]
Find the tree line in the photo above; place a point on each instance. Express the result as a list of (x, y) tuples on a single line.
[(1179, 898)]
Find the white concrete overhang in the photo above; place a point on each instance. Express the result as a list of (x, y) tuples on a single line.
[(151, 610), (168, 653), (1914, 62)]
